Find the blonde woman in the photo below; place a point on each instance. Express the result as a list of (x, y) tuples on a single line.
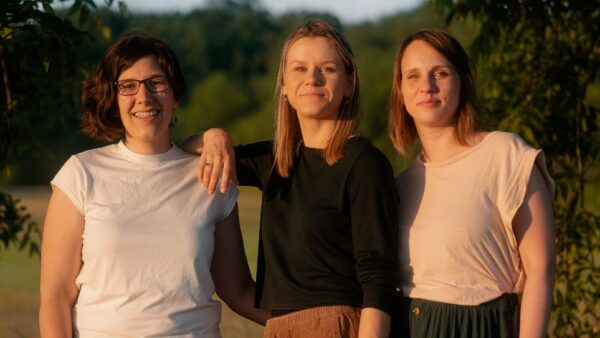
[(327, 260)]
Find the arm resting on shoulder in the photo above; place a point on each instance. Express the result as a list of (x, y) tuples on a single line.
[(533, 226), (231, 275), (374, 323), (60, 264), (217, 158)]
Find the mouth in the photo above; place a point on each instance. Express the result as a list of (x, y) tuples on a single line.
[(427, 103), (145, 114), (312, 95)]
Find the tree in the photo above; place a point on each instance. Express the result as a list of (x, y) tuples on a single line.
[(537, 60), (38, 70)]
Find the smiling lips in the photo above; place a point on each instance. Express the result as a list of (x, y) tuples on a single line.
[(312, 94), (145, 114)]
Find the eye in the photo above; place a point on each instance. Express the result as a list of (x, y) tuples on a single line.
[(126, 85), (158, 81), (299, 69), (327, 69), (412, 76), (441, 74)]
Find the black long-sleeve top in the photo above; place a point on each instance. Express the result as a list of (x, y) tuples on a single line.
[(328, 234)]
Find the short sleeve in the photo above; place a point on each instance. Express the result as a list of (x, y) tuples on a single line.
[(522, 159), (228, 202), (72, 180)]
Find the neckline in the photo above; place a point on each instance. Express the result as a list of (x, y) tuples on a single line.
[(458, 156), (150, 160), (319, 150)]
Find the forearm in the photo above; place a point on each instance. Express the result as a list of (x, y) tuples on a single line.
[(535, 307), (243, 304), (373, 323), (55, 319)]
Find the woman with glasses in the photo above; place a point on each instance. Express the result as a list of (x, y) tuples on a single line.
[(133, 245)]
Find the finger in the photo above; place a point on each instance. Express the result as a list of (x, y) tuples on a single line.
[(206, 176), (217, 169), (200, 171), (225, 176)]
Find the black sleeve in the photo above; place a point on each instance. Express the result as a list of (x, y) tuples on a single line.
[(374, 202), (254, 163)]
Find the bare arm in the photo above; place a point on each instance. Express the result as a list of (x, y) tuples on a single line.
[(61, 262), (230, 271), (216, 157), (374, 323), (533, 226)]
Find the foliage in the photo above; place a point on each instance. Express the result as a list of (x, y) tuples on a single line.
[(39, 70), (16, 226), (537, 60)]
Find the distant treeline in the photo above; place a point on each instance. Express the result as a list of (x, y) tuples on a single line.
[(229, 54)]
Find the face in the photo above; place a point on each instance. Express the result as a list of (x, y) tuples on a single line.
[(430, 86), (315, 80), (146, 115)]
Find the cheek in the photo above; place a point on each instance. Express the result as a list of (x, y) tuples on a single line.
[(405, 93)]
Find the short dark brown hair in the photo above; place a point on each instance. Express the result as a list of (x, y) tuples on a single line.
[(287, 127), (401, 126), (101, 119)]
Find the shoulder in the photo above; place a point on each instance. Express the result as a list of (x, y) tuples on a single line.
[(261, 148), (507, 141), (361, 149), (364, 157), (86, 156)]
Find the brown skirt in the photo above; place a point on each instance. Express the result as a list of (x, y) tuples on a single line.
[(336, 321)]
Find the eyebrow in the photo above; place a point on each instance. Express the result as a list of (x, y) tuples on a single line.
[(436, 67), (149, 77), (321, 63)]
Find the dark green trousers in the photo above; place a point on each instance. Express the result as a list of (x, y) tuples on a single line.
[(419, 318)]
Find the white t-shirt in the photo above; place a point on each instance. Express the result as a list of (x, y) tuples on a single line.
[(148, 242), (457, 244)]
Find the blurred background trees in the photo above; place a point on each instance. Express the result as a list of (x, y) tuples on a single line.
[(537, 64)]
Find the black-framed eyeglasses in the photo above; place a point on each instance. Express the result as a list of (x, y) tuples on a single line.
[(155, 84)]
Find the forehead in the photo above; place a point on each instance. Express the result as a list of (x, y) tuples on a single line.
[(313, 48), (143, 68), (421, 54)]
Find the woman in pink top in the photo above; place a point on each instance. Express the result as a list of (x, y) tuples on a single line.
[(476, 224)]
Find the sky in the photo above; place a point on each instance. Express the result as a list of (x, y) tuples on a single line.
[(349, 11)]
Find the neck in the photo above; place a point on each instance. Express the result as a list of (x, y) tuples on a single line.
[(439, 144), (147, 148), (317, 133)]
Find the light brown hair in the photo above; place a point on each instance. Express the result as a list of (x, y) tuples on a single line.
[(401, 126), (288, 136), (101, 119)]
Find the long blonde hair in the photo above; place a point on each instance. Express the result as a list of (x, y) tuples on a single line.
[(401, 126), (288, 137)]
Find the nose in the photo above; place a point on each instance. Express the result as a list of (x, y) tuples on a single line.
[(428, 84), (143, 94), (315, 77)]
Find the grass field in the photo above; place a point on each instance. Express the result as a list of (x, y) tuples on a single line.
[(19, 273)]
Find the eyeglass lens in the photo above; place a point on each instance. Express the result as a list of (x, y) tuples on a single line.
[(154, 84)]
